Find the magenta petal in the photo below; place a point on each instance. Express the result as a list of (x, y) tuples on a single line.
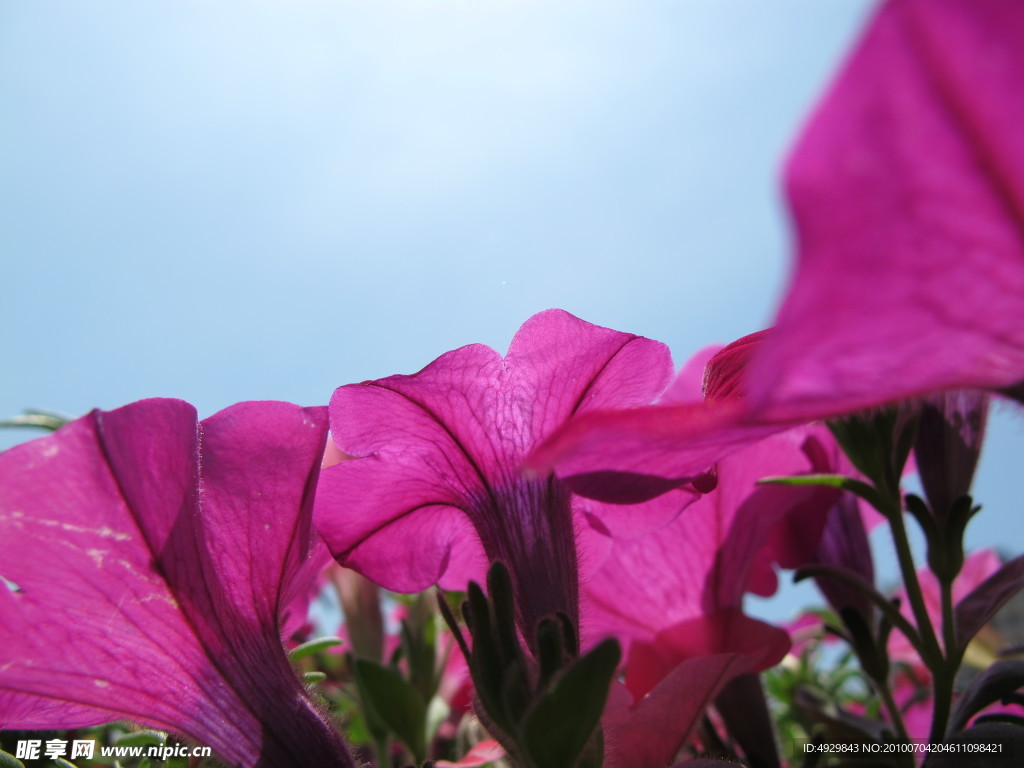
[(907, 188), (688, 386), (649, 733), (725, 373), (728, 631), (715, 551), (674, 597), (483, 753), (388, 531), (152, 555), (759, 645), (565, 366), (303, 589), (629, 456), (632, 520)]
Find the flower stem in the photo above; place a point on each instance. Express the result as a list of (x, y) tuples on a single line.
[(949, 620), (894, 711), (932, 652), (944, 676)]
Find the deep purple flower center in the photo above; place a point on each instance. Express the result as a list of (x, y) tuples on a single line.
[(528, 526)]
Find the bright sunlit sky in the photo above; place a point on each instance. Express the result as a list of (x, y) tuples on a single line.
[(222, 201)]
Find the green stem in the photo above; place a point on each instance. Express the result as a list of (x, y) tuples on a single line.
[(894, 711), (944, 677), (932, 652), (942, 685), (949, 638), (856, 582)]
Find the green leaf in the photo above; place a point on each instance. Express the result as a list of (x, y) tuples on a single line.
[(395, 702), (142, 739), (502, 598), (62, 763), (557, 729), (313, 677), (854, 486), (8, 760), (310, 647), (551, 651), (37, 418), (878, 442), (498, 672), (418, 642)]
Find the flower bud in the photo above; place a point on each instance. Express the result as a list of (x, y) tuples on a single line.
[(948, 444)]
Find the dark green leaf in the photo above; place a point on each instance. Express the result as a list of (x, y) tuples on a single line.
[(557, 729), (418, 642), (395, 702), (985, 600), (501, 594), (485, 664), (550, 650), (996, 683)]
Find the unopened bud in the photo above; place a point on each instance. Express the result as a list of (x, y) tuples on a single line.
[(948, 445)]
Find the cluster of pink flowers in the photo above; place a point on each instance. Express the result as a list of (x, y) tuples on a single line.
[(152, 563)]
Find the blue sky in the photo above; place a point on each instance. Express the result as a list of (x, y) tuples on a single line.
[(223, 201)]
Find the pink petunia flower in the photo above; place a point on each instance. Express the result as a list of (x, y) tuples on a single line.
[(149, 558), (674, 598), (438, 490)]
